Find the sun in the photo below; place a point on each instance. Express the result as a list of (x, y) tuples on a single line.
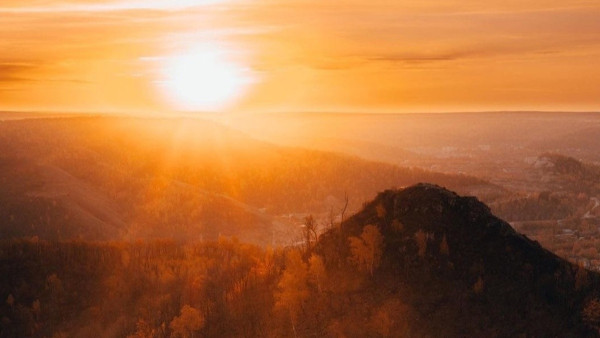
[(203, 79)]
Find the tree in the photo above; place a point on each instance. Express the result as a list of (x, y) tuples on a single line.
[(317, 271), (478, 286), (344, 208), (397, 226), (444, 248), (381, 212), (382, 323), (36, 308), (144, 330), (421, 238), (187, 323), (309, 232), (591, 313), (10, 300), (293, 286), (367, 249), (581, 277)]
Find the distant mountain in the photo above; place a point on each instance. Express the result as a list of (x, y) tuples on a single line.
[(101, 178), (493, 145), (565, 165), (565, 173), (450, 268)]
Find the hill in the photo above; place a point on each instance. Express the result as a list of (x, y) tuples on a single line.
[(450, 268), (100, 178), (568, 173), (493, 145), (417, 262)]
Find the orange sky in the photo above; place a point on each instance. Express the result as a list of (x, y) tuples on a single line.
[(305, 55)]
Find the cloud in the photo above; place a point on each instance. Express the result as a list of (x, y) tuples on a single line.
[(16, 72), (103, 6), (417, 59), (349, 34)]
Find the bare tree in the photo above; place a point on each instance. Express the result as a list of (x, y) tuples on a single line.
[(345, 207), (309, 232)]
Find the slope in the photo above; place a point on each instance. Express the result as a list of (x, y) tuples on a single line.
[(450, 268), (133, 178)]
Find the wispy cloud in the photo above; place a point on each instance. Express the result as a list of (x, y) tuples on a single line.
[(16, 72), (106, 6)]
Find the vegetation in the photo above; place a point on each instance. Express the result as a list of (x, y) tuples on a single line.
[(103, 178), (416, 262), (119, 227)]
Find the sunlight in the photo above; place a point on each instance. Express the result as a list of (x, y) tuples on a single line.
[(204, 79)]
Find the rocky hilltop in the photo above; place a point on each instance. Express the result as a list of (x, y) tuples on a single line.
[(461, 271)]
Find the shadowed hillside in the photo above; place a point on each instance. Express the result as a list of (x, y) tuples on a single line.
[(460, 271)]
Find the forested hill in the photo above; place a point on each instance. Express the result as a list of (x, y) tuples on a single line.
[(100, 178), (417, 262), (460, 271)]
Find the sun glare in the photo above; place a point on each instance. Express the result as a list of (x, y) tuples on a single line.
[(204, 79)]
